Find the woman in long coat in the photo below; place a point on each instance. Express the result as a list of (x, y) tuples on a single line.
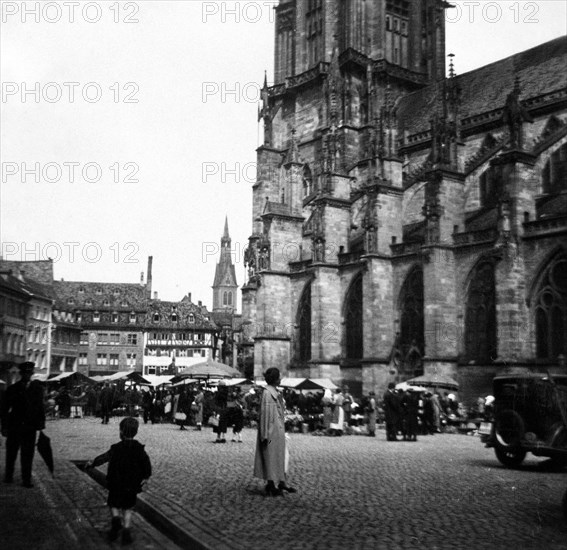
[(270, 459)]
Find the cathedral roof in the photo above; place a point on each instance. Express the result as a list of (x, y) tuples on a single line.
[(541, 70)]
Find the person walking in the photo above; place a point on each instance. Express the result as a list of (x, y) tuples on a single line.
[(270, 457), (106, 402), (391, 412), (337, 423), (22, 415), (371, 408), (128, 467), (197, 407), (326, 402)]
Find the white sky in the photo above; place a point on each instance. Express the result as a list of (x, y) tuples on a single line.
[(184, 145)]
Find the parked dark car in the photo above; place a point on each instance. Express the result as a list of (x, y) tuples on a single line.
[(530, 415)]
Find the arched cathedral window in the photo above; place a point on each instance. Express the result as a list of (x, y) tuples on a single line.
[(551, 311), (304, 322), (554, 176), (353, 320), (480, 317), (307, 181), (490, 186), (411, 326)]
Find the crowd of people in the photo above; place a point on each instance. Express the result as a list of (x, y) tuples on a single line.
[(406, 413)]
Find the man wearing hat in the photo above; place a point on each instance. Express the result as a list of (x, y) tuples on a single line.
[(22, 415)]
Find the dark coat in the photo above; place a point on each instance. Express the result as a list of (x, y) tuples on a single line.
[(23, 407), (391, 407), (128, 466)]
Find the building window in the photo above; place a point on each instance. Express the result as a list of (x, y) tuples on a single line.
[(71, 301), (81, 290), (103, 338), (98, 290), (116, 292), (113, 359), (555, 171), (353, 320), (490, 187), (411, 342), (132, 318), (132, 339), (78, 317), (101, 360), (191, 318), (174, 317), (88, 302), (106, 302), (480, 318), (114, 317), (96, 317), (114, 339), (551, 311), (131, 360), (156, 317), (307, 181), (304, 322), (83, 362), (84, 338)]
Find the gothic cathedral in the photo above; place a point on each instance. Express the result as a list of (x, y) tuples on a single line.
[(406, 220)]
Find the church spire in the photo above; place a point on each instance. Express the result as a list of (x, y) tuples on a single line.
[(225, 286)]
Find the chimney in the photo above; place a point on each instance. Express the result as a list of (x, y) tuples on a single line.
[(200, 303), (189, 296), (155, 295), (149, 277)]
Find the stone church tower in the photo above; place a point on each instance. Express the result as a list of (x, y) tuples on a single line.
[(225, 286), (397, 212)]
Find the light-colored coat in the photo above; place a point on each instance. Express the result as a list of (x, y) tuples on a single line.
[(269, 462)]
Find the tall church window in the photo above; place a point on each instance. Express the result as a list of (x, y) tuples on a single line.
[(230, 298), (353, 320), (314, 28), (480, 317), (225, 298), (307, 181), (490, 186), (555, 171), (411, 326), (551, 311), (304, 322)]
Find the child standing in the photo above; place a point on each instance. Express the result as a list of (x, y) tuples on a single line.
[(128, 467)]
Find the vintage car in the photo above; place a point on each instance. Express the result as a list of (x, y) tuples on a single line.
[(530, 415)]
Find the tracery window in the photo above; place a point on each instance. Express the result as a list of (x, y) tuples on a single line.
[(353, 320), (314, 31), (490, 186), (480, 317), (307, 181), (411, 325), (555, 171), (304, 322), (551, 311)]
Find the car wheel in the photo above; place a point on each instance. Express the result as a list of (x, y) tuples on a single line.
[(510, 458), (509, 429)]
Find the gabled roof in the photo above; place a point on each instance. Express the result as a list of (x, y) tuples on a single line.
[(182, 310), (120, 296), (541, 70)]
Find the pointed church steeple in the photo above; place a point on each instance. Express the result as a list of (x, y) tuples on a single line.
[(225, 287)]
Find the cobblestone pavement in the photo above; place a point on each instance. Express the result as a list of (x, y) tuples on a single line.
[(443, 492)]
